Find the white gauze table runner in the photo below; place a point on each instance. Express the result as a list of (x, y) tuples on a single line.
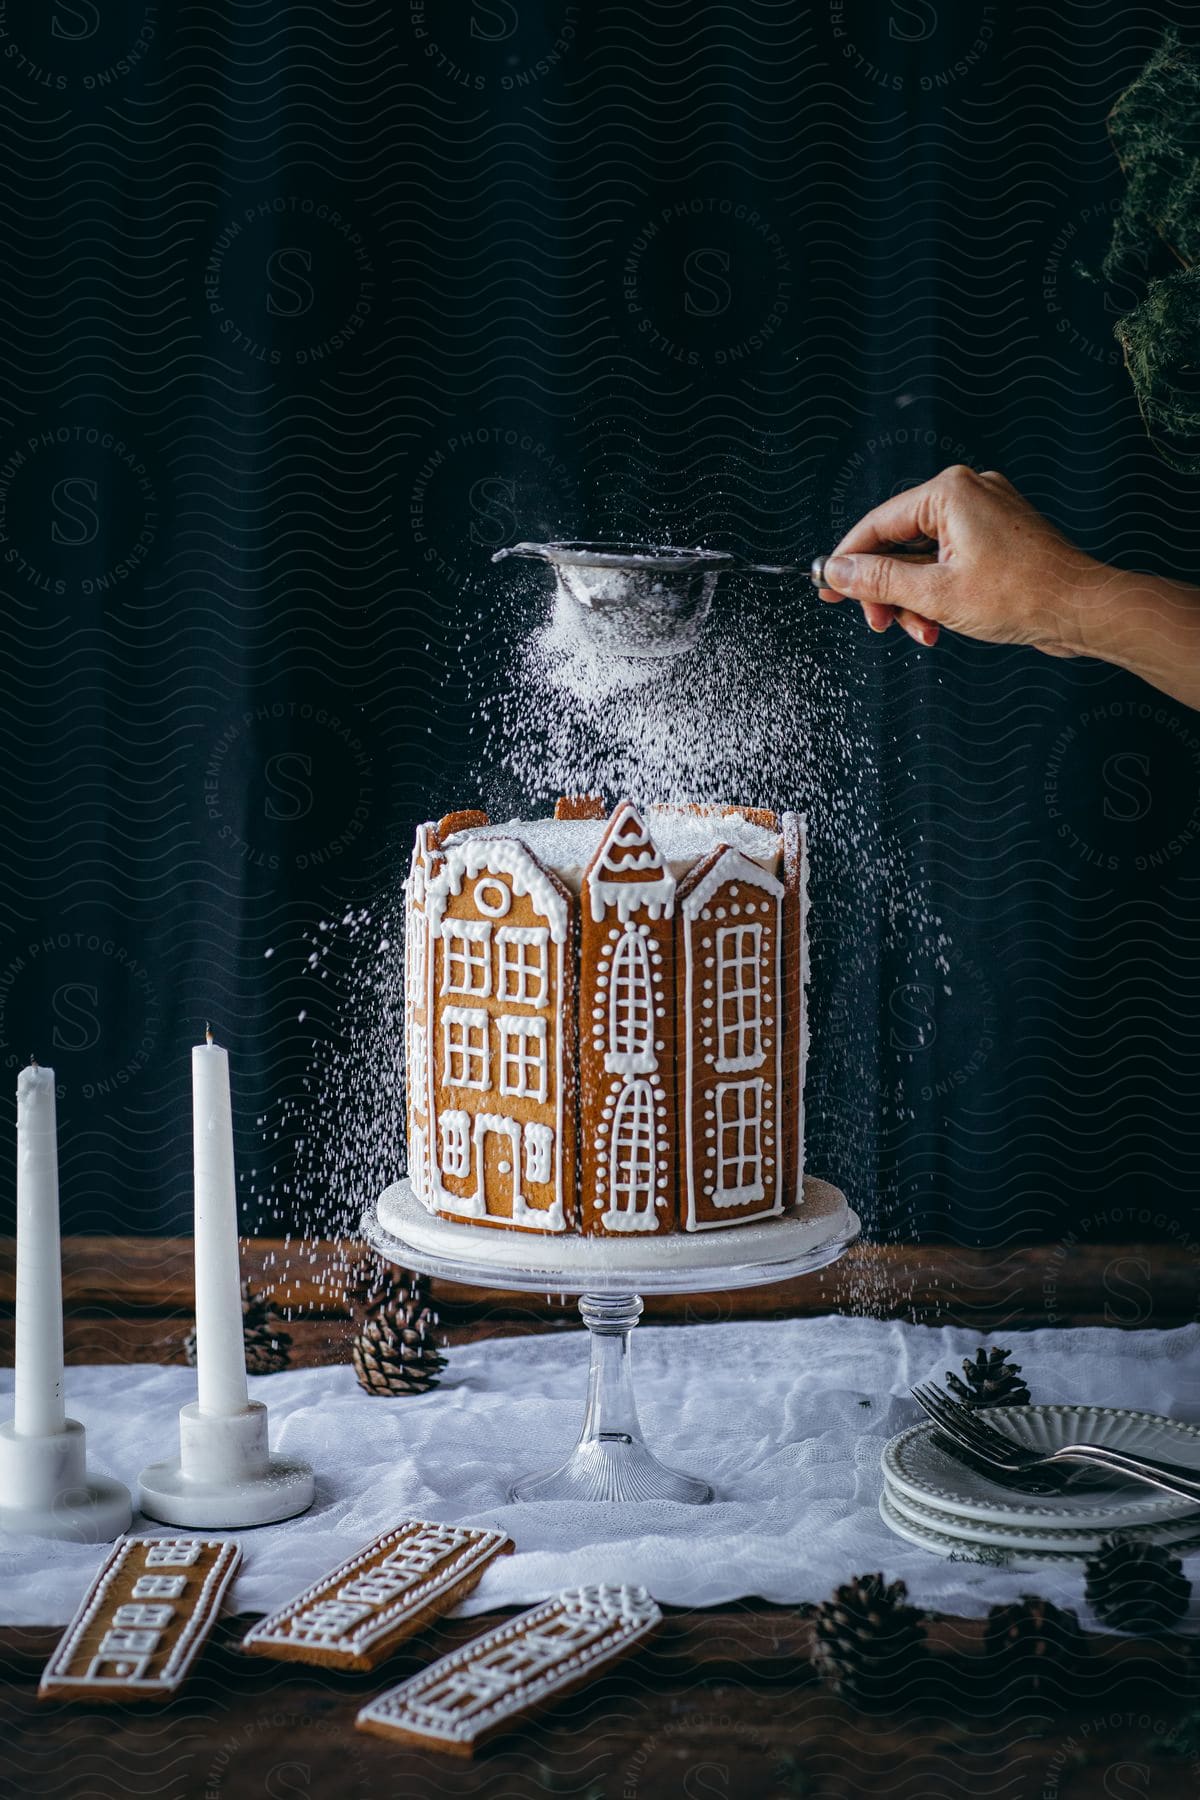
[(770, 1413)]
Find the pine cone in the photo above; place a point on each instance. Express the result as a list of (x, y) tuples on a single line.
[(1033, 1645), (367, 1276), (268, 1346), (867, 1640), (393, 1350), (1137, 1587), (991, 1380)]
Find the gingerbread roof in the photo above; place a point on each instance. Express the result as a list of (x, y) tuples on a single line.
[(721, 866), (473, 856), (628, 870)]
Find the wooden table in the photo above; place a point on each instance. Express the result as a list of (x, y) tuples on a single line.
[(723, 1705)]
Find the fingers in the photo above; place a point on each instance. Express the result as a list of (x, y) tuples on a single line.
[(919, 511), (921, 631), (889, 581), (914, 513)]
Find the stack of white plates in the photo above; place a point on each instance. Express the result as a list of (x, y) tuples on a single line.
[(932, 1499)]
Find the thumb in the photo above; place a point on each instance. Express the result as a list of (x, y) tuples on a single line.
[(888, 581)]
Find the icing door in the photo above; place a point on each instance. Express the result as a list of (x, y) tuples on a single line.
[(498, 1162)]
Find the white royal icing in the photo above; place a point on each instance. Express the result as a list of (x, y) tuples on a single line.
[(749, 1107), (505, 1056), (352, 1608), (133, 1633), (627, 847), (627, 869), (509, 1670)]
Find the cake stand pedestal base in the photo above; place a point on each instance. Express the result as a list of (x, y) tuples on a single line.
[(611, 1460)]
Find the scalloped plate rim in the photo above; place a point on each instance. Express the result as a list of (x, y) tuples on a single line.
[(958, 1549), (1015, 1561), (1082, 1542), (1136, 1509)]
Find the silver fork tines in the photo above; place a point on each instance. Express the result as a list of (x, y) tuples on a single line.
[(968, 1428), (980, 1439)]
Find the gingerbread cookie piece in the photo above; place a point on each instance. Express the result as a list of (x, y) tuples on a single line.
[(468, 818), (754, 815), (142, 1621), (580, 806), (502, 1678), (628, 1036), (355, 1615), (795, 1004), (729, 944), (499, 1038)]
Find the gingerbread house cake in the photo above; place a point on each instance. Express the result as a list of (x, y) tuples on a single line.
[(604, 1018)]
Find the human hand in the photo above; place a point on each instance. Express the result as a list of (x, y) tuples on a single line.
[(1003, 573)]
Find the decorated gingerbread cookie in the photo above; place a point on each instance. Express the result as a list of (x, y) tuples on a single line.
[(143, 1621), (502, 1678), (357, 1613), (628, 1032)]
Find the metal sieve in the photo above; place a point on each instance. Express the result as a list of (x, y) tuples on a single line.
[(644, 600), (639, 599)]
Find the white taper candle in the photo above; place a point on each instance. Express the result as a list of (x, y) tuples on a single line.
[(220, 1351), (38, 1372)]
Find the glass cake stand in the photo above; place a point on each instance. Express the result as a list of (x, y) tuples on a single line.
[(612, 1460)]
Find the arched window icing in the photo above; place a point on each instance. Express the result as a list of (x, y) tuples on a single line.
[(631, 1008), (631, 1159)]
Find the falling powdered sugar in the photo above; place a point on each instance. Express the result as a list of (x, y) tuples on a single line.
[(774, 709)]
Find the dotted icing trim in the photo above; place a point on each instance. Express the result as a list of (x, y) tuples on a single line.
[(630, 1612), (360, 1637), (199, 1620)]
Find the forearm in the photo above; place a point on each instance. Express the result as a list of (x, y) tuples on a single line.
[(1143, 623)]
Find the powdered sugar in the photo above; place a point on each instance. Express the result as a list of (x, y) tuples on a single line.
[(777, 707), (568, 845)]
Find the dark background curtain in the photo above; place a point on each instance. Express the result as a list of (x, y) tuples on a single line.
[(305, 310)]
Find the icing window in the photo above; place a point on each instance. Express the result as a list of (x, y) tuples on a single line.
[(456, 1143), (492, 897), (417, 1153), (467, 968), (739, 1106), (415, 940), (120, 1666), (631, 1153), (539, 1153), (631, 1007), (523, 1057), (418, 1074), (120, 1641), (172, 1556), (465, 1048), (327, 1619), (159, 1587), (739, 997), (523, 972), (134, 1614), (460, 1694), (419, 1553)]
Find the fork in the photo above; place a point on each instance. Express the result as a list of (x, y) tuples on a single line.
[(983, 1440)]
